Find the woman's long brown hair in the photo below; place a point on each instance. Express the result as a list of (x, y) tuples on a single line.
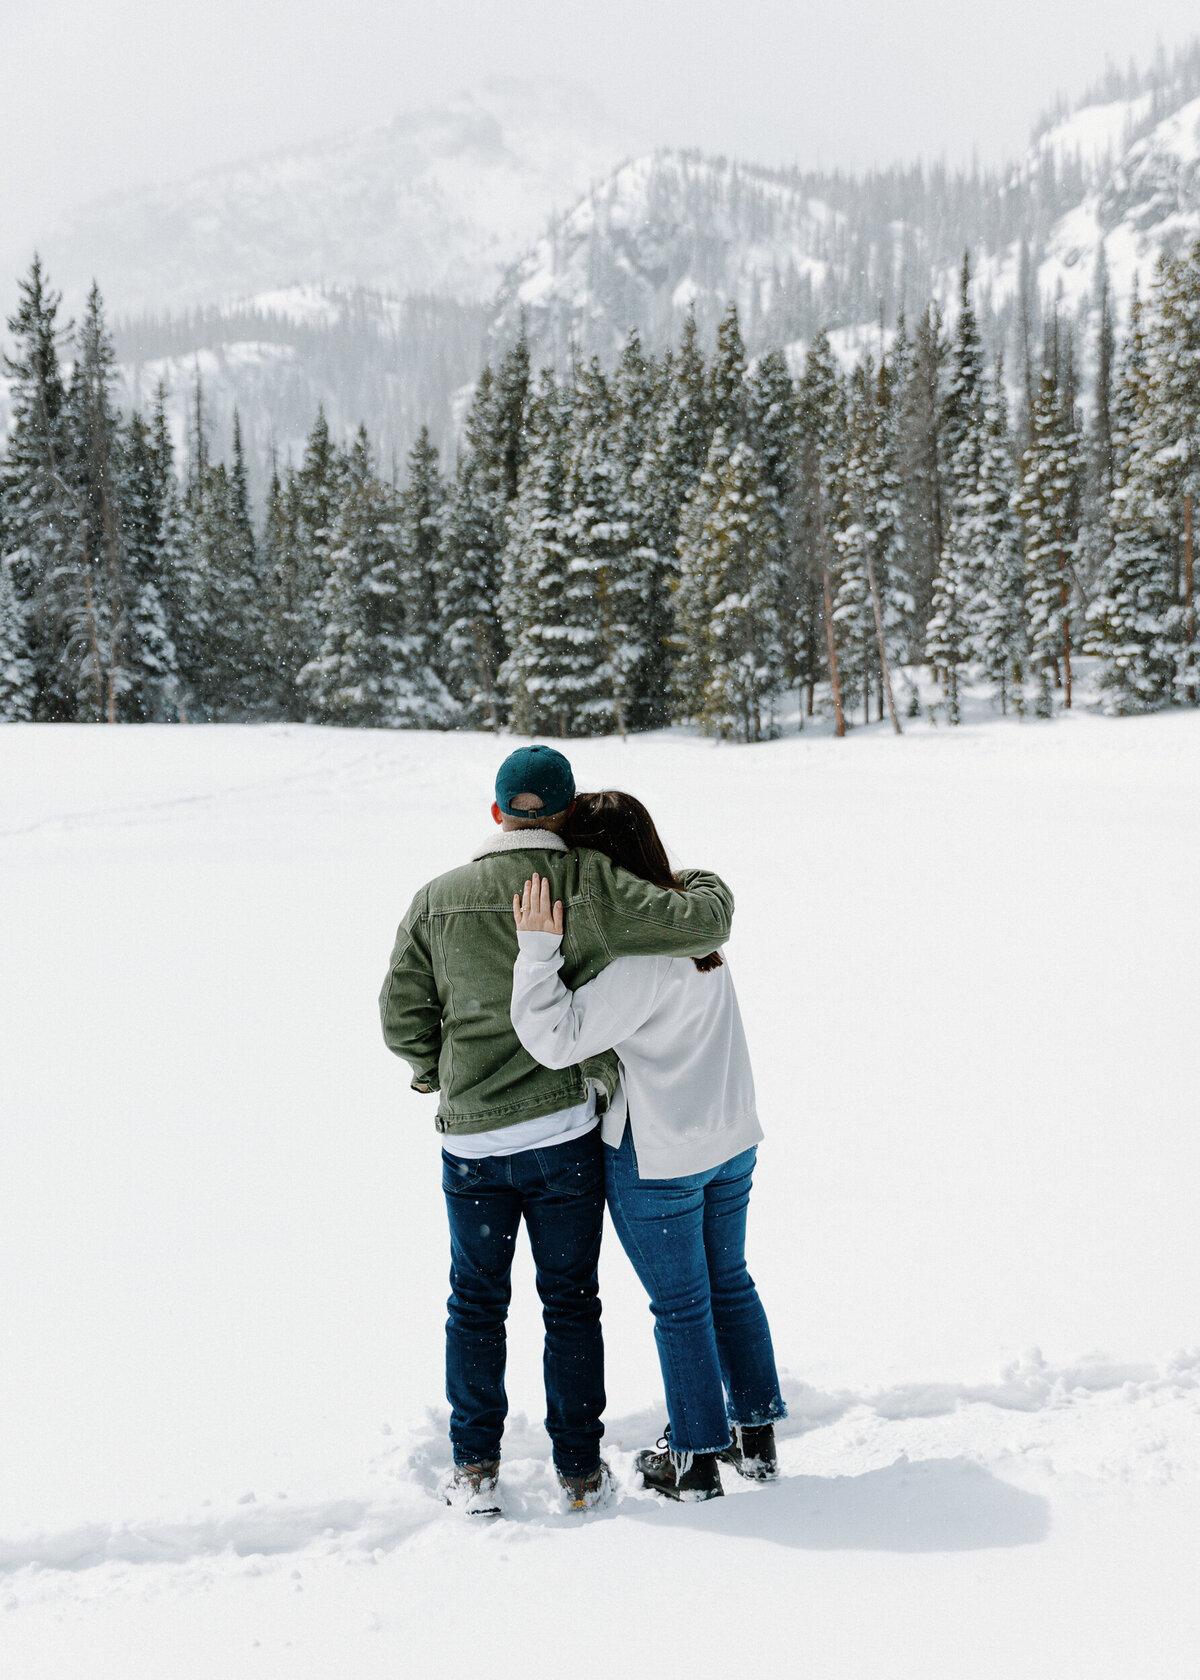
[(620, 826)]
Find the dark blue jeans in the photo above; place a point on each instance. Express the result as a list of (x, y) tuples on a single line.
[(560, 1193), (686, 1238)]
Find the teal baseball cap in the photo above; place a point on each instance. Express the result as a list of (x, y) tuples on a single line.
[(538, 770)]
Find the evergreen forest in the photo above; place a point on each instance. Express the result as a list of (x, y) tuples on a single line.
[(694, 537)]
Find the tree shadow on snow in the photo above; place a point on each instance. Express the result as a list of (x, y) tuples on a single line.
[(934, 1505)]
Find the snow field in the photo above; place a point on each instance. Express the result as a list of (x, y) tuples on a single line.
[(965, 962)]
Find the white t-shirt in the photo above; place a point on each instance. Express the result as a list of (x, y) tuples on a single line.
[(545, 1132)]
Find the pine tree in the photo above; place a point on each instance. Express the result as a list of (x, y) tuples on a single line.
[(473, 540), (948, 635), (604, 598), (728, 609), (36, 516), (870, 579), (150, 561), (1099, 479), (811, 640), (228, 634), (372, 668), (532, 599), (288, 584), (853, 619), (962, 413), (1048, 502), (676, 449), (508, 415), (419, 512), (90, 593), (727, 404), (989, 539), (1139, 623), (923, 468), (1175, 396)]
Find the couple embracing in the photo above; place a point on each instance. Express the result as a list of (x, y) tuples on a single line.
[(565, 994)]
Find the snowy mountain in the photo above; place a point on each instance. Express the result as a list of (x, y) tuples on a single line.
[(439, 200), (799, 251)]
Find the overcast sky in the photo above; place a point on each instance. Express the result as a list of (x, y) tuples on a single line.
[(99, 94)]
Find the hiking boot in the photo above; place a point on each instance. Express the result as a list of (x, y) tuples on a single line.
[(585, 1493), (752, 1452), (472, 1489), (689, 1476)]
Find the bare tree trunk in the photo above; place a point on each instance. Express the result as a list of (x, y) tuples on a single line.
[(1066, 648), (884, 672)]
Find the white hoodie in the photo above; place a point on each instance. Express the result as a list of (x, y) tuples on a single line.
[(686, 1083)]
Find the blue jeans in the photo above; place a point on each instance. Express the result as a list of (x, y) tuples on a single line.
[(560, 1192), (686, 1238)]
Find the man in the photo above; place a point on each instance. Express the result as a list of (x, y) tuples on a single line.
[(521, 1140)]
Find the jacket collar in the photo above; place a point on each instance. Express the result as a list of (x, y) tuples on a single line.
[(520, 840)]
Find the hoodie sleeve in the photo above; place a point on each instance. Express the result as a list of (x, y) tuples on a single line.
[(559, 1027)]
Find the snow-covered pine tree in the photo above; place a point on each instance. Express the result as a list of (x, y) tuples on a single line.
[(727, 400), (287, 586), (419, 512), (90, 594), (729, 608), (509, 412), (605, 648), (923, 464), (962, 410), (692, 636), (532, 596), (822, 452), (228, 635), (36, 518), (870, 573), (676, 450), (990, 537), (149, 537), (1131, 392), (1139, 622), (372, 668), (1175, 399), (948, 634), (471, 563), (1099, 477), (853, 535), (1048, 502), (904, 636), (638, 391)]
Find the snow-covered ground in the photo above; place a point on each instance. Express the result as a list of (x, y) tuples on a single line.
[(967, 963)]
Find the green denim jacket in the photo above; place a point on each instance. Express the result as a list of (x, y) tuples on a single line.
[(445, 1001)]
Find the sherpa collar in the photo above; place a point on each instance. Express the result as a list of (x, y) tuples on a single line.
[(521, 840)]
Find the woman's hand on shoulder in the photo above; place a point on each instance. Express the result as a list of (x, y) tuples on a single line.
[(532, 910)]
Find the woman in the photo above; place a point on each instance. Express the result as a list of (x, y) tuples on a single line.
[(681, 1135)]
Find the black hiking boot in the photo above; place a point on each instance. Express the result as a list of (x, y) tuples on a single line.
[(689, 1476), (585, 1493), (472, 1489), (752, 1452)]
